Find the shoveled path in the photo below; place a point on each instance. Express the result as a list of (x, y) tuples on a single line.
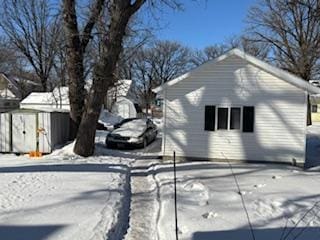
[(144, 207)]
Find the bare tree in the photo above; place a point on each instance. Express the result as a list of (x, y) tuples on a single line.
[(260, 50), (292, 29), (209, 53), (32, 26), (76, 43), (9, 57), (156, 64), (120, 12), (244, 43)]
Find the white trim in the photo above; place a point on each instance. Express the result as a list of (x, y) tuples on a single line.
[(286, 76), (305, 126), (229, 117)]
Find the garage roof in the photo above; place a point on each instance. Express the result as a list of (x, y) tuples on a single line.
[(284, 75)]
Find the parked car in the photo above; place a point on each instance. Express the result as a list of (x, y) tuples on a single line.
[(136, 133), (117, 125)]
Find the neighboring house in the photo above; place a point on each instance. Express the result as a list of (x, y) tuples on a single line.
[(315, 103), (58, 99), (315, 82), (236, 107), (315, 108), (9, 94), (121, 100)]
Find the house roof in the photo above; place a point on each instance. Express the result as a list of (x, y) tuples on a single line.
[(57, 96), (7, 94), (12, 91), (284, 75)]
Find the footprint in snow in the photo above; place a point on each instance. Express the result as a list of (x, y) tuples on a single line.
[(276, 177), (242, 193), (182, 230), (210, 215), (259, 185)]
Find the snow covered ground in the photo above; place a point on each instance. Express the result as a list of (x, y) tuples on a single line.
[(279, 201), (210, 206), (63, 197), (129, 195)]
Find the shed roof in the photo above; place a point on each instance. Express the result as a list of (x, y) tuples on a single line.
[(284, 75), (47, 110), (57, 96)]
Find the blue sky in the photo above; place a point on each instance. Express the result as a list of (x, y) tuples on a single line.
[(204, 22)]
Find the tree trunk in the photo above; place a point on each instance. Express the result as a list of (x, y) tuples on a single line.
[(43, 81), (86, 133), (309, 119), (120, 13), (75, 67)]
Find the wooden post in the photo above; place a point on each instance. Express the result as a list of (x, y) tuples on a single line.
[(175, 194)]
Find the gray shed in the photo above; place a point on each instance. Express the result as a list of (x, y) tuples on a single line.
[(25, 130)]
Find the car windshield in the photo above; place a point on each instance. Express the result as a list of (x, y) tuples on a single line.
[(138, 124)]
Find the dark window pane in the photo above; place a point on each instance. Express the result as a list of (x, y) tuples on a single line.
[(222, 118), (314, 108), (235, 118), (210, 116), (248, 119)]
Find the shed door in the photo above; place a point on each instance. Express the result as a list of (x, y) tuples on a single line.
[(124, 110), (24, 136)]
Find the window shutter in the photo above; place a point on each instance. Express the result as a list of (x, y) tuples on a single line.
[(210, 116), (248, 119)]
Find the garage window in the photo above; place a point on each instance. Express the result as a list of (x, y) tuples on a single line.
[(235, 115), (210, 117), (248, 119), (223, 118)]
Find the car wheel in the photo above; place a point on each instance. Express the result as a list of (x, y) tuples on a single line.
[(111, 145)]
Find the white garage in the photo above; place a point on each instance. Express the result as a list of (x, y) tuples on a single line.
[(23, 130), (237, 108), (124, 108)]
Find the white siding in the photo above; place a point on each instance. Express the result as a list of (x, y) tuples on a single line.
[(52, 129), (55, 128), (24, 132), (45, 133), (280, 114)]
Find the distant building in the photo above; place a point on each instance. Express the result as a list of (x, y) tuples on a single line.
[(315, 82), (57, 99), (9, 94), (122, 101), (315, 103)]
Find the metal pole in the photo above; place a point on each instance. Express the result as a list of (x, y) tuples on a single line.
[(175, 194)]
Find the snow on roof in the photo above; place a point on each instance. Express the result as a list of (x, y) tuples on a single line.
[(45, 109), (58, 96), (284, 75)]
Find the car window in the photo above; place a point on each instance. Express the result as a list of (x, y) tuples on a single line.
[(138, 124)]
